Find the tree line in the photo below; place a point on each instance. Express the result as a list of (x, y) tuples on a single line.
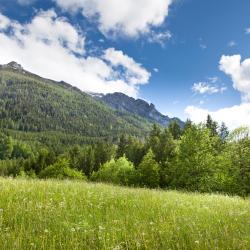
[(204, 158)]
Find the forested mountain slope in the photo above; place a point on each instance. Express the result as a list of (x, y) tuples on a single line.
[(29, 103)]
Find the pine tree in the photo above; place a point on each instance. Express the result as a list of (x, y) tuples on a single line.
[(175, 130), (212, 125)]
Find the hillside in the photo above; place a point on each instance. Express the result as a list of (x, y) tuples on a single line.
[(77, 215), (40, 106), (124, 103)]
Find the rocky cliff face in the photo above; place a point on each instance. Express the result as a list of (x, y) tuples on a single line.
[(122, 102)]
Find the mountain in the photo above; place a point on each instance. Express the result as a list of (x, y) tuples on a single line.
[(36, 109), (124, 103), (47, 112)]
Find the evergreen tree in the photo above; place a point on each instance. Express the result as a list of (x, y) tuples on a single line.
[(212, 126), (121, 149), (175, 129), (223, 132), (6, 146)]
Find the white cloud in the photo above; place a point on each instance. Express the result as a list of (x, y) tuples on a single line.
[(247, 30), (156, 70), (207, 87), (239, 72), (4, 22), (159, 37), (134, 72), (213, 79), (236, 116), (47, 26), (121, 17), (51, 47), (232, 44)]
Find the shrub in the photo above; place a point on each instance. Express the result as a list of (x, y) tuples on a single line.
[(61, 170), (120, 172)]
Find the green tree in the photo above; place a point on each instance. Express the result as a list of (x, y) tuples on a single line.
[(122, 145), (175, 129), (6, 146), (149, 171), (119, 171), (21, 150), (240, 157), (87, 160), (195, 160), (212, 126), (103, 152), (223, 132)]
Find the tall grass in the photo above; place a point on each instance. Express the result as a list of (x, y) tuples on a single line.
[(75, 215)]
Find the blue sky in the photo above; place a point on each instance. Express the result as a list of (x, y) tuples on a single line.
[(181, 55)]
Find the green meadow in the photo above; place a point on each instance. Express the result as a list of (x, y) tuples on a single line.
[(38, 214)]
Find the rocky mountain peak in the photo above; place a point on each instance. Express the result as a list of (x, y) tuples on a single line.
[(13, 65)]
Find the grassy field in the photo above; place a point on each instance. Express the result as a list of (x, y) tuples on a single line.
[(73, 215)]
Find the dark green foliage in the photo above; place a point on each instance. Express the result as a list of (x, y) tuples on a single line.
[(132, 148), (212, 126), (21, 150), (6, 146), (175, 130)]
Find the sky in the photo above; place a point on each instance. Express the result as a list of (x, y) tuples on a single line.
[(188, 57)]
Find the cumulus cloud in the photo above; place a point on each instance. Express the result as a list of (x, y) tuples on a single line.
[(236, 116), (126, 17), (239, 71), (51, 47), (134, 73), (4, 22)]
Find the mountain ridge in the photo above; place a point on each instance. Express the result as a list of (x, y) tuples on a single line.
[(122, 102), (33, 104)]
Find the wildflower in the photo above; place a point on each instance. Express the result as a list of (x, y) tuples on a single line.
[(46, 230), (72, 229)]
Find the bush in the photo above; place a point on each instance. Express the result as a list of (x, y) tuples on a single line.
[(61, 170), (118, 172)]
